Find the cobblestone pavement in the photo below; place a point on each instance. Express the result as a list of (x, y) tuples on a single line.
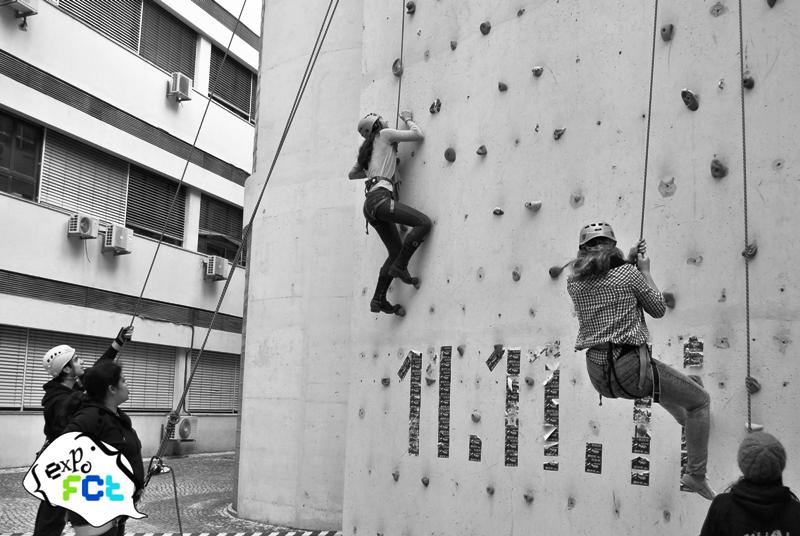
[(205, 495)]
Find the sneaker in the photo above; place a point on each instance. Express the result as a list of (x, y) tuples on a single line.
[(386, 307), (403, 275), (698, 484)]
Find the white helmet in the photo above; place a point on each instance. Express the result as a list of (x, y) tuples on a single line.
[(596, 230), (57, 358), (367, 123)]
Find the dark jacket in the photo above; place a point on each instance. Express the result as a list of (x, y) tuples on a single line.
[(751, 508), (55, 400), (101, 424)]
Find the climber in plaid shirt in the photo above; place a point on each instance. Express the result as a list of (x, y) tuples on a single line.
[(611, 293)]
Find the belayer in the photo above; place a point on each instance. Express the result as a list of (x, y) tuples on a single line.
[(610, 293), (377, 162)]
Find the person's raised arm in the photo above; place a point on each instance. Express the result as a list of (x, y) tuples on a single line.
[(413, 133), (125, 334)]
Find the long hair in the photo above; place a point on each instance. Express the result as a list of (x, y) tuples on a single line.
[(595, 257), (365, 151), (96, 382)]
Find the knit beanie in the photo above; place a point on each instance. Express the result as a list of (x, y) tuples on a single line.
[(761, 458)]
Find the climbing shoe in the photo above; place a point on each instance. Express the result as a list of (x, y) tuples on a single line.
[(403, 275), (385, 307), (698, 484)]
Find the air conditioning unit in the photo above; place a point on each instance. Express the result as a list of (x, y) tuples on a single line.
[(24, 8), (83, 226), (180, 87), (185, 428), (119, 240), (216, 268)]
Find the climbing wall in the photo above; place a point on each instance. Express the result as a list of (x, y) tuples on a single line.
[(473, 414)]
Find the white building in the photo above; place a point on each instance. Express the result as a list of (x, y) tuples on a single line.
[(86, 126)]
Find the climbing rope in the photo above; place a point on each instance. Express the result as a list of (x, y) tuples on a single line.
[(746, 225), (322, 34), (186, 164), (649, 114), (402, 67)]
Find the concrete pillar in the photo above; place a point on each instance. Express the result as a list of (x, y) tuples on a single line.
[(191, 220), (297, 353), (202, 65)]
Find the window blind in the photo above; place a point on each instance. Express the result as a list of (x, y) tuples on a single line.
[(13, 342), (231, 82), (215, 387), (78, 177), (149, 199), (116, 19), (166, 41)]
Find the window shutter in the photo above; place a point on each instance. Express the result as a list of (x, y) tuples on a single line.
[(116, 19), (232, 84), (13, 341), (215, 387), (80, 178), (166, 41), (150, 372), (149, 199), (220, 217)]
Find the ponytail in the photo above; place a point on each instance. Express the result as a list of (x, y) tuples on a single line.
[(365, 151)]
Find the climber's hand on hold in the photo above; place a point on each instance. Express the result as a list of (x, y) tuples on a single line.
[(406, 116)]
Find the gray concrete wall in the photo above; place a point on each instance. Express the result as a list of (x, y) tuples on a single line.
[(298, 349), (596, 59)]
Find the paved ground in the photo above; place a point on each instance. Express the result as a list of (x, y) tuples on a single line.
[(205, 495)]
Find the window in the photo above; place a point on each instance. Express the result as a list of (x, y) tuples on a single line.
[(78, 177), (215, 386), (116, 19), (220, 228), (232, 84), (20, 153), (166, 41), (22, 374), (149, 199)]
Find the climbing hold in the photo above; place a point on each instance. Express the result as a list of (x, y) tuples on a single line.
[(722, 343), (555, 271), (361, 413), (570, 503), (486, 27), (690, 100), (721, 84), (480, 273), (557, 133), (532, 312), (537, 71), (667, 187), (528, 497), (481, 150), (520, 12), (723, 296), (771, 3), (666, 32), (748, 82), (667, 516), (386, 382), (502, 86), (753, 385), (476, 417), (426, 481), (669, 299), (529, 381), (533, 205), (515, 275), (718, 169), (411, 7), (490, 489), (777, 165), (396, 475), (430, 381), (397, 67), (750, 250), (436, 106), (460, 349), (718, 9), (453, 45), (427, 55), (498, 211), (576, 200), (697, 261), (450, 154)]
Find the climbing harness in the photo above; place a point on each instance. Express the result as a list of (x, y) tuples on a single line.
[(746, 226), (646, 363)]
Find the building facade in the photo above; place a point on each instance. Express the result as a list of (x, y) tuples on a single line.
[(100, 104)]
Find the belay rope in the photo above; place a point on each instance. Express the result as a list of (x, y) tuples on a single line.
[(156, 466), (402, 67)]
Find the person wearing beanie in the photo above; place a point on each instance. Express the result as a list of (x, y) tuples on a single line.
[(66, 367), (758, 503)]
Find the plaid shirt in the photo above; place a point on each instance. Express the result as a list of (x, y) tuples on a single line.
[(609, 309)]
